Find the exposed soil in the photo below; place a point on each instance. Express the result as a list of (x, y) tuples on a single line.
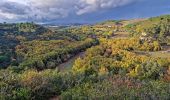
[(68, 64)]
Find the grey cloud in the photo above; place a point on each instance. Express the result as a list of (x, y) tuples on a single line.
[(14, 8), (52, 9), (95, 5)]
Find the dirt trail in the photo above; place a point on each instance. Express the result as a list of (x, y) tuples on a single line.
[(166, 48), (120, 35), (68, 64), (164, 53)]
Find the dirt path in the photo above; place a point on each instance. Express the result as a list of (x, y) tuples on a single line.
[(166, 48), (120, 35), (164, 53), (67, 65)]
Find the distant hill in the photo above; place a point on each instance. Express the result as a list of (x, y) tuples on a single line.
[(28, 30), (123, 22)]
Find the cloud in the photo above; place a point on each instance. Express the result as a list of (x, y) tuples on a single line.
[(97, 5), (38, 10), (13, 8)]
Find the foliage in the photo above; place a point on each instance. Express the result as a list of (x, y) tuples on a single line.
[(48, 54), (111, 68), (119, 88), (118, 57)]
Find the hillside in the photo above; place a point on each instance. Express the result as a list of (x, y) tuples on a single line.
[(125, 59), (13, 34), (155, 27)]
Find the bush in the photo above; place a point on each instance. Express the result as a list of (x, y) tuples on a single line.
[(119, 88), (41, 84), (9, 85)]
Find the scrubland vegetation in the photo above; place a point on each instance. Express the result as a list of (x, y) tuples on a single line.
[(111, 68)]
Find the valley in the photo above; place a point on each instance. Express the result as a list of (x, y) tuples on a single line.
[(114, 59)]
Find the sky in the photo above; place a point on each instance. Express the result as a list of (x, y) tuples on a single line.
[(79, 11)]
